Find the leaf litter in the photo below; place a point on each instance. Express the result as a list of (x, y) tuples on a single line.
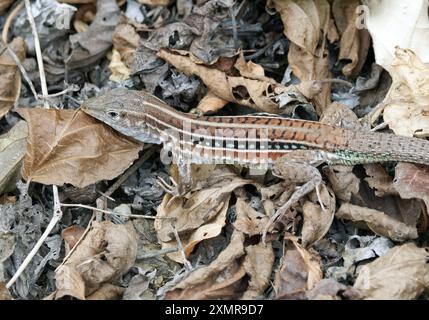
[(122, 237)]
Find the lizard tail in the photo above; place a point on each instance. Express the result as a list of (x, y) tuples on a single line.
[(383, 147)]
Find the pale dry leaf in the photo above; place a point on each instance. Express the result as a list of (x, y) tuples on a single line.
[(379, 222), (210, 103), (407, 102), (299, 272), (13, 145), (71, 236), (200, 207), (306, 25), (207, 231), (316, 220), (394, 23), (411, 182), (107, 291), (355, 42), (258, 264), (126, 41), (106, 253), (220, 279), (10, 76), (249, 221), (379, 180), (257, 92), (66, 146), (119, 71), (343, 181), (401, 274)]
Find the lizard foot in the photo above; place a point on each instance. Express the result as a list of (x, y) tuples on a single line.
[(175, 189)]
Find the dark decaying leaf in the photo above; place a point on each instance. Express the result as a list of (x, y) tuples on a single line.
[(66, 146), (89, 46), (299, 272)]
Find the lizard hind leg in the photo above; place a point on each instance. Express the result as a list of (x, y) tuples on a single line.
[(298, 170)]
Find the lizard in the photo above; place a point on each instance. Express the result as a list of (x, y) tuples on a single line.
[(291, 148)]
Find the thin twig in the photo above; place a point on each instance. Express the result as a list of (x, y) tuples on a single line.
[(138, 216), (55, 218), (186, 263), (157, 253), (38, 52), (53, 95)]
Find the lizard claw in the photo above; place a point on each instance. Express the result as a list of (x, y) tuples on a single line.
[(175, 189), (319, 198)]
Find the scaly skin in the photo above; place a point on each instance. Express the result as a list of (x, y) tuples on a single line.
[(249, 139)]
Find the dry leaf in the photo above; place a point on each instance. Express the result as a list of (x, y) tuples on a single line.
[(107, 292), (92, 44), (12, 150), (258, 264), (210, 103), (401, 274), (220, 279), (126, 41), (106, 253), (299, 272), (330, 289), (379, 222), (397, 23), (379, 180), (4, 5), (343, 181), (10, 76), (66, 146), (407, 102), (355, 42), (119, 70), (71, 236), (4, 292), (200, 207), (249, 221), (412, 182), (252, 89), (317, 221), (306, 25)]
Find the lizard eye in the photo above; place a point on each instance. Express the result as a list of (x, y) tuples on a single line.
[(115, 115)]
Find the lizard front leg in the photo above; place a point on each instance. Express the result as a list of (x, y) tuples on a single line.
[(297, 167), (180, 188)]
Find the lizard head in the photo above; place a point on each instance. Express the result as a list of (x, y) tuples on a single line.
[(123, 110)]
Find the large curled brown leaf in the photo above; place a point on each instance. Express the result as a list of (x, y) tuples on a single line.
[(354, 42), (244, 84), (10, 76), (306, 25), (401, 274), (67, 146), (106, 253)]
